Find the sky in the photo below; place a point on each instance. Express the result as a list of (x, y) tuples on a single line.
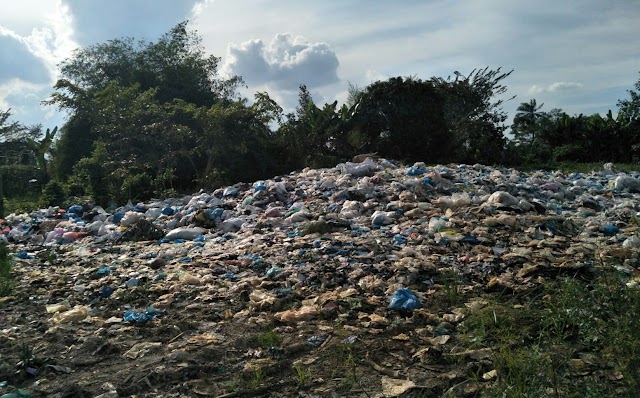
[(578, 55)]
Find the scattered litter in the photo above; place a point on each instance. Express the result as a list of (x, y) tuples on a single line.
[(357, 250)]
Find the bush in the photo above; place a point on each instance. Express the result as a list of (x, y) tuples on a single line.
[(136, 187), (20, 205), (91, 173), (20, 180), (53, 194)]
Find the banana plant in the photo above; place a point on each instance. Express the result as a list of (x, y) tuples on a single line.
[(42, 148)]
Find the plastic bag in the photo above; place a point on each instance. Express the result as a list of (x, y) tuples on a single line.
[(404, 299)]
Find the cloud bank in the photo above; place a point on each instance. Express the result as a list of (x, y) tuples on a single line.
[(284, 64)]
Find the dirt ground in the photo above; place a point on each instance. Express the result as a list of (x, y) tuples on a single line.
[(214, 339)]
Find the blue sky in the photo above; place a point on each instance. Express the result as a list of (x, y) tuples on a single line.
[(578, 55)]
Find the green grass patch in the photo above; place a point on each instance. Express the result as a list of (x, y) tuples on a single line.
[(451, 293), (266, 339), (6, 281), (574, 339)]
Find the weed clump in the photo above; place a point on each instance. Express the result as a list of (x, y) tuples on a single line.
[(576, 339), (6, 282)]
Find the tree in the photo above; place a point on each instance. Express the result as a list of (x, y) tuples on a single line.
[(354, 94), (437, 120), (176, 65), (525, 122), (473, 114), (22, 145), (305, 136), (13, 146), (629, 118), (175, 68), (9, 131), (630, 108), (401, 118)]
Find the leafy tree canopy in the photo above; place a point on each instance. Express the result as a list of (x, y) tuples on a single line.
[(630, 108), (175, 68), (176, 65)]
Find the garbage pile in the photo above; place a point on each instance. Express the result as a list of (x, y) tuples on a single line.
[(361, 246)]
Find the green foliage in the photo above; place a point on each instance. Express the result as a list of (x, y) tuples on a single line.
[(473, 114), (24, 145), (629, 109), (19, 205), (164, 122), (302, 375), (41, 148), (91, 174), (257, 378), (267, 339), (16, 152), (75, 142), (572, 327), (559, 137), (6, 282), (437, 120), (119, 92), (8, 129), (15, 131), (136, 187), (313, 136), (525, 122), (452, 287), (402, 119), (20, 180), (53, 194), (176, 65), (27, 356)]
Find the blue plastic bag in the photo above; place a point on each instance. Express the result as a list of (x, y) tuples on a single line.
[(404, 299), (117, 217), (416, 171), (76, 209), (24, 255), (140, 316), (399, 239)]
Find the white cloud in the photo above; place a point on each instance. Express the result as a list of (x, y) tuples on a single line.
[(14, 87), (25, 84), (373, 75), (50, 43), (284, 64), (564, 86), (23, 98), (555, 87), (24, 14), (199, 7)]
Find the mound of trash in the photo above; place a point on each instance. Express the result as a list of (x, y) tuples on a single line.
[(221, 291)]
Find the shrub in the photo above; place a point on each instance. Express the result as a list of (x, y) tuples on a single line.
[(53, 194)]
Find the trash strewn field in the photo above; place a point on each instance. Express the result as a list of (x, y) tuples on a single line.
[(371, 279)]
